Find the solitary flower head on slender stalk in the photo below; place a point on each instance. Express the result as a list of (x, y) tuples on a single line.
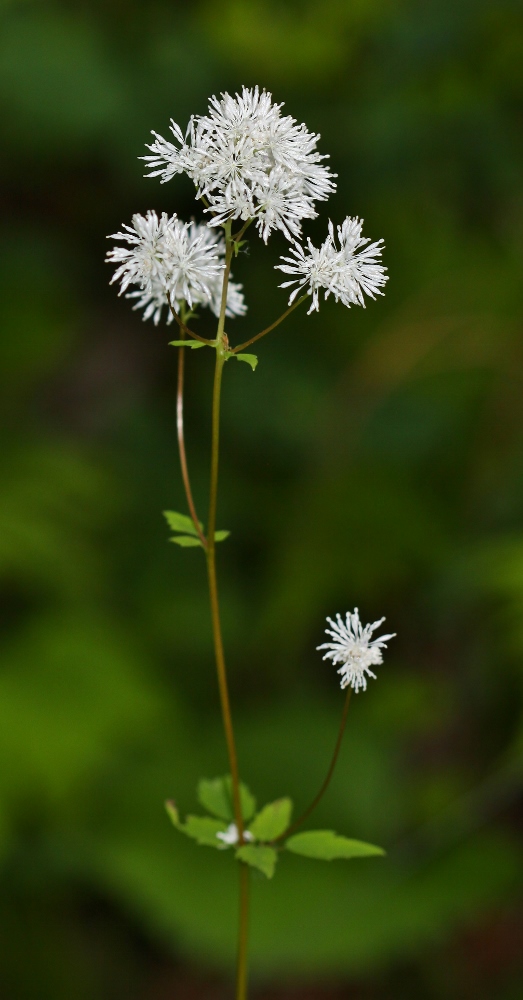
[(354, 648), (248, 161), (166, 257), (347, 272)]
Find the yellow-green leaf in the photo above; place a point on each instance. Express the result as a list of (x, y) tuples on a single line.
[(327, 845), (250, 359), (258, 856), (186, 541), (181, 522), (272, 820)]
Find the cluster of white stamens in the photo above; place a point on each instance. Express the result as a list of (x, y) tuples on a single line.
[(170, 259), (346, 272), (248, 161), (354, 649)]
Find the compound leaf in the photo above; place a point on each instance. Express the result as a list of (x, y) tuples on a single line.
[(220, 536)]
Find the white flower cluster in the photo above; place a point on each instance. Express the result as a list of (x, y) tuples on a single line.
[(167, 257), (248, 161), (354, 648), (347, 272)]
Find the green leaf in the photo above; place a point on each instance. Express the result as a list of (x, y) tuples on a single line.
[(186, 541), (258, 856), (327, 845), (272, 820), (195, 344), (250, 359), (220, 536), (173, 814), (181, 522), (214, 796), (203, 830)]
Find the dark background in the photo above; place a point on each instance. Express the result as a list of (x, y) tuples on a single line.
[(373, 459)]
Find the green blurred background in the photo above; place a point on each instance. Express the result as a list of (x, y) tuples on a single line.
[(374, 458)]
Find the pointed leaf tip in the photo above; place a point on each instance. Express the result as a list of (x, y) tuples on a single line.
[(258, 856), (250, 359)]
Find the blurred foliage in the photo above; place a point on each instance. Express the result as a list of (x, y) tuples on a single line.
[(374, 458)]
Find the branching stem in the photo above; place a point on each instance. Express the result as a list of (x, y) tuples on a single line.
[(185, 329), (273, 326)]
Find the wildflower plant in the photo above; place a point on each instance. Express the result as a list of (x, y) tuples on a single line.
[(251, 166)]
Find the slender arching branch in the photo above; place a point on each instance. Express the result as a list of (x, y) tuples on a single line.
[(301, 819), (273, 326), (183, 327)]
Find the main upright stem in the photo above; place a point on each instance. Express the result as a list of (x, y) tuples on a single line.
[(221, 345)]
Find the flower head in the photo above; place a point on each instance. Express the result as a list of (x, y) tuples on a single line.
[(354, 648), (230, 837), (248, 161), (346, 272), (170, 259)]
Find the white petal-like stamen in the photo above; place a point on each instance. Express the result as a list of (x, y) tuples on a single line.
[(347, 272), (354, 648), (248, 161), (169, 258), (230, 835)]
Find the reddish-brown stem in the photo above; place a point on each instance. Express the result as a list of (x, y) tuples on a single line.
[(301, 819), (273, 326), (181, 445), (185, 329)]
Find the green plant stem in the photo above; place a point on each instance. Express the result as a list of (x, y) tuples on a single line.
[(222, 351), (301, 819), (273, 326), (181, 443), (243, 936), (221, 356)]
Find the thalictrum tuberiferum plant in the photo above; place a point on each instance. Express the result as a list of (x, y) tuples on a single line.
[(251, 166)]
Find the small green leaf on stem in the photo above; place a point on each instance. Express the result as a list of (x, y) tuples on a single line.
[(250, 359), (325, 845), (220, 536), (216, 795), (258, 856), (203, 830), (195, 344), (272, 820), (237, 245), (186, 541), (181, 522)]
